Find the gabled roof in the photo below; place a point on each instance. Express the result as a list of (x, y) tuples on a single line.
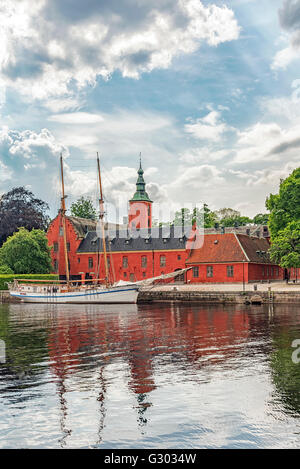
[(256, 249), (157, 239), (230, 247), (82, 225)]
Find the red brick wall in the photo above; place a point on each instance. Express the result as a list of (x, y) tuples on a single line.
[(135, 271), (140, 214), (219, 273), (54, 236), (258, 272)]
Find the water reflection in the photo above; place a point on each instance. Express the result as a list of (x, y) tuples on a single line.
[(81, 375)]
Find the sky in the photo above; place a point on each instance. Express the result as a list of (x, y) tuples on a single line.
[(207, 91)]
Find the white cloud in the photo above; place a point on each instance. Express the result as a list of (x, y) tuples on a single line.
[(209, 127), (81, 118), (201, 154), (289, 17), (51, 48), (284, 57), (33, 153), (267, 142)]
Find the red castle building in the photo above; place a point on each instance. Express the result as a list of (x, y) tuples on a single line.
[(139, 251)]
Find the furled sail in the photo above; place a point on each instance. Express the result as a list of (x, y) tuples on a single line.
[(149, 281)]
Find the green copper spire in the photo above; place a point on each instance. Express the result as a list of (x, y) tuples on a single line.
[(140, 194)]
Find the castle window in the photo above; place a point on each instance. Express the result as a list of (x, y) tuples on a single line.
[(178, 258), (61, 231), (78, 260), (55, 265), (163, 261), (91, 263), (125, 274), (55, 246), (230, 271), (144, 261), (125, 262), (131, 277), (144, 274), (209, 271), (68, 247), (195, 272)]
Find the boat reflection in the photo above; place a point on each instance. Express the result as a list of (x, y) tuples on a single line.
[(90, 350)]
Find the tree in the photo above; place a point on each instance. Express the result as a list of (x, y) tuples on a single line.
[(224, 213), (261, 219), (27, 252), (284, 207), (202, 217), (5, 270), (20, 208), (83, 208), (285, 248), (210, 218), (229, 217)]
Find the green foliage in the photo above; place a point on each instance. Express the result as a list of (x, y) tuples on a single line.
[(210, 218), (27, 252), (4, 279), (229, 217), (83, 208), (261, 219), (20, 208), (284, 207), (285, 248), (202, 217), (4, 269)]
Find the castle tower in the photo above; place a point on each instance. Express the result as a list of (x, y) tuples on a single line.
[(140, 206)]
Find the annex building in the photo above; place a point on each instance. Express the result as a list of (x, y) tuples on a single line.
[(135, 252)]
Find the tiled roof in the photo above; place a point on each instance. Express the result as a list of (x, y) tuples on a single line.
[(256, 248), (140, 240), (83, 225), (230, 247)]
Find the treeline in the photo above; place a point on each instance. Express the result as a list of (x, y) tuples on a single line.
[(24, 221), (226, 217)]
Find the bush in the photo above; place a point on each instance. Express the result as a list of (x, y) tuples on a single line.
[(4, 269), (10, 278), (27, 252)]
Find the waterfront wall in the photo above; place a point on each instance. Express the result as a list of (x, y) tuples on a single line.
[(156, 296), (225, 297)]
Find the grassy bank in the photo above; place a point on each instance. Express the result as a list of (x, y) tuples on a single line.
[(10, 278)]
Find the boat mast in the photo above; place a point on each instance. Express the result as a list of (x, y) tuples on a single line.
[(63, 215), (101, 216)]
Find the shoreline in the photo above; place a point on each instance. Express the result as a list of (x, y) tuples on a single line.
[(276, 293)]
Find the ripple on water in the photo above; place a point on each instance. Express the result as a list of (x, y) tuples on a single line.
[(149, 376)]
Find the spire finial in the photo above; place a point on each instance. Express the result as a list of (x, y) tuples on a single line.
[(140, 160)]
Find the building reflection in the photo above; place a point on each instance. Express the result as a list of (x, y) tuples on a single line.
[(194, 336), (86, 344)]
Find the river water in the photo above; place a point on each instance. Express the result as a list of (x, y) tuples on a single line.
[(159, 376)]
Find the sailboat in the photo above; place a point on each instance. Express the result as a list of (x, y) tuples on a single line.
[(65, 292)]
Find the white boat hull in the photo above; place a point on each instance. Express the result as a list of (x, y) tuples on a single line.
[(125, 294)]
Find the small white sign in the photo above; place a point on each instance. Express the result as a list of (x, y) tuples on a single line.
[(2, 352), (296, 353)]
